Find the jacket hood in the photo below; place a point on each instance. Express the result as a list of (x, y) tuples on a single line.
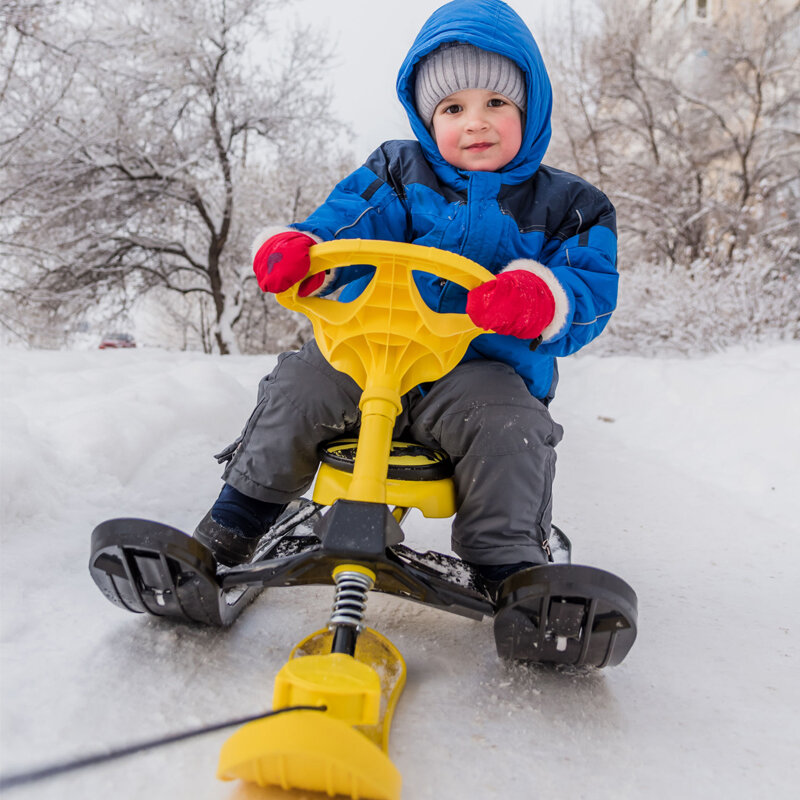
[(494, 26)]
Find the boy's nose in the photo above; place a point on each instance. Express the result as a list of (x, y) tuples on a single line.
[(477, 122)]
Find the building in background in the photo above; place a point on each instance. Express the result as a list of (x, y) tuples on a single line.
[(694, 26), (690, 13), (684, 12)]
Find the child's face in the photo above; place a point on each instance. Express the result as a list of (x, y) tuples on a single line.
[(476, 129)]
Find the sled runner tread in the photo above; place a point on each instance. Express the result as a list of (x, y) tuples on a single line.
[(149, 567), (565, 614)]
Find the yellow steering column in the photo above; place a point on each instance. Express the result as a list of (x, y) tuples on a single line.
[(388, 341)]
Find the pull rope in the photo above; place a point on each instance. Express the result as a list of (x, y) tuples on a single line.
[(33, 776)]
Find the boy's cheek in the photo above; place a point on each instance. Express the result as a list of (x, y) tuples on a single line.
[(446, 141)]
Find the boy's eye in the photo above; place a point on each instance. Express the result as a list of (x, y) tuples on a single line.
[(452, 109), (495, 102)]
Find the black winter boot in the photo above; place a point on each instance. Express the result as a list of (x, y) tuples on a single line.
[(234, 525), (497, 573), (493, 575)]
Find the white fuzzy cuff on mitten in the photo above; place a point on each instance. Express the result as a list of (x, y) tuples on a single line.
[(557, 290), (274, 230)]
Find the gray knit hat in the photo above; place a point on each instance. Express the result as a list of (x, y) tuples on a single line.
[(455, 66)]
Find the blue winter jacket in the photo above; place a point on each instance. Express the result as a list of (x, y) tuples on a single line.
[(407, 192)]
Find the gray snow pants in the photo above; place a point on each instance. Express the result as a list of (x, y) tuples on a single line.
[(500, 439)]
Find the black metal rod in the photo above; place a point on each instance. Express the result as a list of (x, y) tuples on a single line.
[(23, 778), (344, 639)]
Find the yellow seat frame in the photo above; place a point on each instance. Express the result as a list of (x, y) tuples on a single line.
[(388, 340)]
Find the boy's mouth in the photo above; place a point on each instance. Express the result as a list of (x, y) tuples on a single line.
[(479, 146)]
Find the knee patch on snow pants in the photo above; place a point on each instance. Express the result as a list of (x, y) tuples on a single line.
[(502, 442), (301, 403)]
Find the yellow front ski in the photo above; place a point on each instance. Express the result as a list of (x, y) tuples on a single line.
[(342, 751)]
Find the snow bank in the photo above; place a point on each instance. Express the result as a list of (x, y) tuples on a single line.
[(679, 475), (77, 424), (729, 419)]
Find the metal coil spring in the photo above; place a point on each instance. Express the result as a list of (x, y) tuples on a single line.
[(350, 602)]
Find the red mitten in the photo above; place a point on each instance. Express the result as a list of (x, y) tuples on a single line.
[(516, 303), (282, 261)]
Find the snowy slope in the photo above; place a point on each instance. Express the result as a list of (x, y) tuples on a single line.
[(679, 475)]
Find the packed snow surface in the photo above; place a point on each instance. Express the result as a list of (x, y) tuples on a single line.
[(679, 475)]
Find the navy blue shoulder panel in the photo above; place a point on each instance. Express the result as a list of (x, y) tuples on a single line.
[(557, 203), (554, 202), (401, 162)]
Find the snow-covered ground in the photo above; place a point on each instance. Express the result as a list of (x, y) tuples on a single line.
[(680, 475)]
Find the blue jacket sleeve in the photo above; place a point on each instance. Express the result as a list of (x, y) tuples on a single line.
[(585, 267), (362, 206)]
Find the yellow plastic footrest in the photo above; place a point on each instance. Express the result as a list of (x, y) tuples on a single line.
[(378, 652), (312, 751), (350, 690)]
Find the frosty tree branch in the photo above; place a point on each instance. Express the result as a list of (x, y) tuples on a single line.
[(129, 173)]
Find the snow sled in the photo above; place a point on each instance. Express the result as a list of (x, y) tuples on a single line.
[(341, 684)]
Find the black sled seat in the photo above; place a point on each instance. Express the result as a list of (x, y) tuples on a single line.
[(565, 614), (408, 461)]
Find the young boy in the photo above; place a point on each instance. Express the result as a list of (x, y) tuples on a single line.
[(479, 100)]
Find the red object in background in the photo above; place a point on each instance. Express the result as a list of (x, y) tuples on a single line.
[(114, 340)]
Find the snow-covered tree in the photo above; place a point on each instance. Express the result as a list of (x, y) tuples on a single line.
[(694, 131), (132, 138)]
